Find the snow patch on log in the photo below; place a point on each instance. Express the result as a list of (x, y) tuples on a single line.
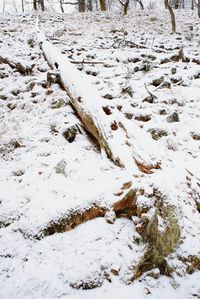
[(123, 142)]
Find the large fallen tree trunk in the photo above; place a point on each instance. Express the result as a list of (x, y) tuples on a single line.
[(104, 123), (160, 240), (124, 207), (19, 66)]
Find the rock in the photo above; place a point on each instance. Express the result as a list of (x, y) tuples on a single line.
[(157, 133), (162, 112), (110, 216), (173, 70), (70, 134), (171, 145), (128, 115), (176, 79), (108, 96), (173, 117), (19, 172), (91, 282), (196, 136), (54, 129), (31, 42), (3, 97), (152, 19), (143, 118), (59, 103), (128, 90), (60, 167), (157, 82), (11, 106), (92, 73), (155, 273), (3, 75)]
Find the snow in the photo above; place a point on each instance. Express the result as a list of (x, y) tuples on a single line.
[(33, 194)]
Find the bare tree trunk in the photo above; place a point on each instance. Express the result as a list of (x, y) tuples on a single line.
[(199, 8), (103, 5), (41, 4), (173, 20), (192, 5), (96, 4), (22, 2), (126, 5), (61, 6), (4, 5), (176, 4), (35, 4), (90, 6), (141, 4), (81, 5)]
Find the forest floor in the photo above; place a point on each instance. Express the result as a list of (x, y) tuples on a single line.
[(50, 168)]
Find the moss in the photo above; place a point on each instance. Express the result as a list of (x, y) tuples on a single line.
[(58, 104), (159, 244)]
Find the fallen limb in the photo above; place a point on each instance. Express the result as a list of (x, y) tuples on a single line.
[(125, 207), (109, 131), (21, 68), (123, 42)]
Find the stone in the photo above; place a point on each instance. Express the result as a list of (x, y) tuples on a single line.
[(70, 134), (110, 216), (157, 133), (173, 117), (60, 167)]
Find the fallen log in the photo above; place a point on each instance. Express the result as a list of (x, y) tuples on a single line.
[(159, 242), (124, 207), (109, 129), (19, 66)]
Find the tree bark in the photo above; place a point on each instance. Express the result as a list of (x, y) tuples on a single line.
[(61, 6), (103, 6), (81, 5), (198, 8), (22, 1), (21, 68), (141, 4), (113, 136), (192, 5), (126, 5), (125, 207), (35, 4), (41, 5), (173, 20), (90, 5)]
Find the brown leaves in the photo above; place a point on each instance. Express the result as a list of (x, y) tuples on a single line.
[(126, 185), (147, 168)]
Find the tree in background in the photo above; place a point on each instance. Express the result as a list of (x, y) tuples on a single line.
[(125, 6), (173, 20), (103, 5), (38, 5)]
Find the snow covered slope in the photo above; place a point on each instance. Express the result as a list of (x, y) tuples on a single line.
[(50, 168)]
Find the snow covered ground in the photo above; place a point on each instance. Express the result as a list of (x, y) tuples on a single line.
[(46, 176)]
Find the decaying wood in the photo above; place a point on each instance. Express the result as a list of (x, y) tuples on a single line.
[(148, 169), (21, 68), (111, 135), (125, 207)]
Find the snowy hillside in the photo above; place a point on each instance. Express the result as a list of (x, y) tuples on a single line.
[(72, 223)]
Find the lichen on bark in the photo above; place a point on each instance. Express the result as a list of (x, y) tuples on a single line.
[(159, 243)]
